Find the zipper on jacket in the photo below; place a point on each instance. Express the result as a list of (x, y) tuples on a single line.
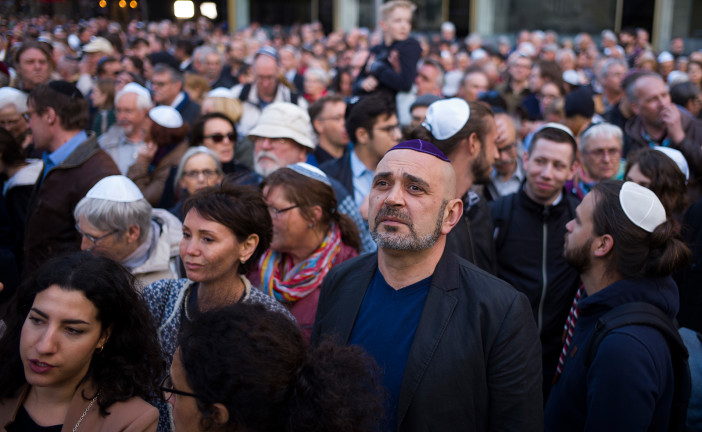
[(544, 273)]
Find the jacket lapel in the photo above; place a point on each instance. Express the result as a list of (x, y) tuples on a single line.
[(353, 296), (436, 316)]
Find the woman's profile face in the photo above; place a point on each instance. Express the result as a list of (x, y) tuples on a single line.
[(289, 226), (59, 338)]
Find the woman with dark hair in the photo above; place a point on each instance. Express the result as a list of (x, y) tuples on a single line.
[(80, 351), (276, 384), (20, 175), (226, 228), (217, 132), (310, 236), (655, 170), (103, 98), (161, 154)]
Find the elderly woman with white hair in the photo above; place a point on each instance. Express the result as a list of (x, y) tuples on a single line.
[(600, 155), (117, 222), (316, 81), (13, 105), (199, 168)]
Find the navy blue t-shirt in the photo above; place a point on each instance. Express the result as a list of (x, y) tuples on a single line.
[(385, 327)]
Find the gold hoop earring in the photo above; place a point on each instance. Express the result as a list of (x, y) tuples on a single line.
[(98, 350)]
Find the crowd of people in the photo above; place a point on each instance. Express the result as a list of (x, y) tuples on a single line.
[(292, 229)]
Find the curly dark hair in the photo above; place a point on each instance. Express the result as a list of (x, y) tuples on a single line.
[(131, 363), (277, 385), (239, 208)]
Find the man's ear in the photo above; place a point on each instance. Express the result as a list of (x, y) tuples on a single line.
[(219, 414), (603, 245), (474, 144), (362, 136), (452, 215)]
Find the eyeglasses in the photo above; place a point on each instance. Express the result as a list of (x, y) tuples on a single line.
[(275, 212), (93, 238), (218, 137), (168, 390), (28, 114), (9, 123), (159, 83), (599, 153), (389, 128), (193, 174), (334, 118)]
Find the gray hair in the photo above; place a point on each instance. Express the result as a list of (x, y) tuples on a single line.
[(631, 93), (319, 74), (609, 63), (192, 151), (601, 131), (10, 96), (174, 75), (143, 101), (109, 215)]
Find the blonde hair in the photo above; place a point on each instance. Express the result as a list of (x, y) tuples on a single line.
[(196, 82), (390, 6), (231, 108)]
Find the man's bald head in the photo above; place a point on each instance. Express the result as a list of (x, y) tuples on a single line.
[(411, 203)]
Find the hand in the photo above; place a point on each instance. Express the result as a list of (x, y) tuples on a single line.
[(501, 130), (147, 151), (671, 117), (369, 63), (369, 84), (394, 60)]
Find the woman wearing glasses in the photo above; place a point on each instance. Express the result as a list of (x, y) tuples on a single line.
[(225, 229), (310, 236), (199, 168), (244, 368), (80, 351)]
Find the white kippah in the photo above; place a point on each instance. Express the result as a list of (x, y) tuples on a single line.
[(166, 116), (444, 118), (136, 89), (221, 92), (115, 188), (677, 157), (560, 127), (641, 206), (310, 171)]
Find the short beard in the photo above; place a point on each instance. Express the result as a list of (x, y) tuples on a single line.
[(267, 170), (579, 257), (481, 169), (409, 242)]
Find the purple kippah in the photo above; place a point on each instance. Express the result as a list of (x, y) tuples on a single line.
[(421, 146)]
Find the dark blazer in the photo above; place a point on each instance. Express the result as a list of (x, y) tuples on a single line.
[(475, 361), (189, 110), (340, 169)]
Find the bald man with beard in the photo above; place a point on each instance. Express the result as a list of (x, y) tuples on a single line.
[(455, 345)]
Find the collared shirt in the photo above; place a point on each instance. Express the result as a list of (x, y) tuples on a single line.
[(511, 185), (178, 99), (57, 157), (362, 179)]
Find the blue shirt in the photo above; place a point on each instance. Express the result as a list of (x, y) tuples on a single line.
[(61, 154), (385, 327), (362, 179)]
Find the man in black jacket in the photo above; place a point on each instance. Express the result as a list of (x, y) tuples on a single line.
[(466, 133), (455, 345), (529, 231)]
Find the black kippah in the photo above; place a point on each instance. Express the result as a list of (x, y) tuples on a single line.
[(66, 88)]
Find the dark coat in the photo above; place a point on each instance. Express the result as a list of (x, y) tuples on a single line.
[(474, 363), (50, 224), (189, 110), (388, 78), (531, 245), (629, 385), (471, 238), (340, 169)]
